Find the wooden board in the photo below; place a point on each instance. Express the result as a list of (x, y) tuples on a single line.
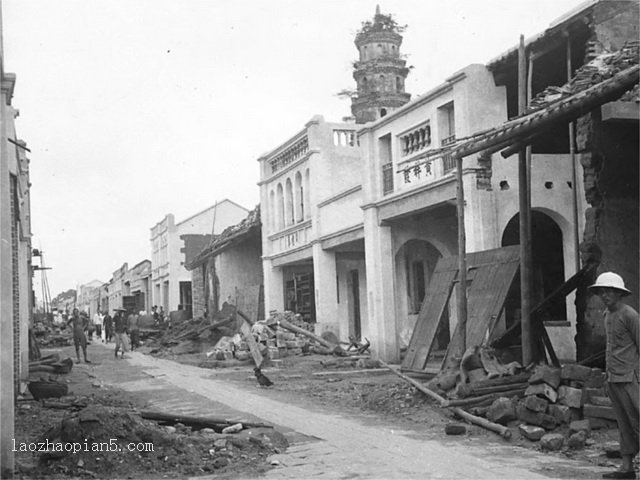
[(491, 273), (431, 310), (495, 272)]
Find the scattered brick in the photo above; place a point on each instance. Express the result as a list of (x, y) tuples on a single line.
[(502, 411), (531, 432), (600, 401), (536, 404), (612, 450), (573, 371), (588, 393), (599, 412), (580, 426), (561, 413), (455, 429), (546, 374), (542, 390), (571, 397), (577, 440), (552, 441), (541, 419)]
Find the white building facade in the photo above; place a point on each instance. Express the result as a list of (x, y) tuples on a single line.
[(171, 281)]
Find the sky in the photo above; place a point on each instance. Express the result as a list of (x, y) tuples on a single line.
[(133, 109)]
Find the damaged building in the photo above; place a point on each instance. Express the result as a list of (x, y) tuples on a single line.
[(228, 270), (354, 225)]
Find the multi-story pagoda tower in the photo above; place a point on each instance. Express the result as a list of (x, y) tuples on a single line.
[(380, 71)]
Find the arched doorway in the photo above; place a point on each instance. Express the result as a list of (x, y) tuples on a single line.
[(415, 262), (547, 259)]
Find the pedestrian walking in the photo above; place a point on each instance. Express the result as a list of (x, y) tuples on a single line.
[(97, 323), (107, 322), (622, 357), (80, 324), (120, 331), (134, 329)]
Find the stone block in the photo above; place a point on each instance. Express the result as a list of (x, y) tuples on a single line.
[(597, 379), (542, 390), (580, 426), (536, 404), (552, 441), (561, 413), (540, 419), (573, 371), (546, 374), (291, 344), (531, 432), (576, 384), (577, 440), (601, 423), (455, 429), (274, 353), (502, 411), (599, 412), (571, 397), (600, 401), (612, 450), (588, 392)]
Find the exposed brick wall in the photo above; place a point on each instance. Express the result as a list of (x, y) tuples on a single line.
[(15, 284), (193, 245), (198, 291)]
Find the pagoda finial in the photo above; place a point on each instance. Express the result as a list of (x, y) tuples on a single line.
[(377, 9)]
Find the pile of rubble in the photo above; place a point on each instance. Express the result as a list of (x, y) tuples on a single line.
[(603, 66), (231, 336), (558, 406)]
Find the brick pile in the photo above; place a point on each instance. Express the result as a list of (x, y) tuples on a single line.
[(561, 406)]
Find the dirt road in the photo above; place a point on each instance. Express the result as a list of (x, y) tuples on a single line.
[(328, 445)]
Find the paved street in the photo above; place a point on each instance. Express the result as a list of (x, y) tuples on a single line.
[(324, 444)]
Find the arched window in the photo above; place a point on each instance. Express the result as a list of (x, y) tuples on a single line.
[(398, 84), (280, 211), (289, 213), (299, 197), (365, 85), (307, 197), (364, 52), (383, 112), (272, 211)]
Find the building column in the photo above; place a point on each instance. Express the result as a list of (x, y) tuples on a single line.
[(480, 219), (380, 326), (273, 287), (326, 297)]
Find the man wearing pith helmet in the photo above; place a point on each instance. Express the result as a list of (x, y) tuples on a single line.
[(621, 326)]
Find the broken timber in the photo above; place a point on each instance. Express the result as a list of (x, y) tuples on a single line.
[(336, 349), (494, 427), (202, 422)]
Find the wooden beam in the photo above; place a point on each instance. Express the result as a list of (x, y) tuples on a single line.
[(525, 222), (462, 259)]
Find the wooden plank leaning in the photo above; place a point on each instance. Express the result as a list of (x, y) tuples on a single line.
[(494, 427)]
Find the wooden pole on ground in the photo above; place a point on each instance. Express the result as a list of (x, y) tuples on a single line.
[(494, 427), (525, 221)]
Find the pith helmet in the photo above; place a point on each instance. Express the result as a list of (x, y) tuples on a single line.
[(610, 280)]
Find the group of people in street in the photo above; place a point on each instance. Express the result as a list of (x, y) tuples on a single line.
[(123, 327)]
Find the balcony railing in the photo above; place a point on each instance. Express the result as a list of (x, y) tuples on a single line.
[(293, 237), (290, 155), (448, 162), (344, 138)]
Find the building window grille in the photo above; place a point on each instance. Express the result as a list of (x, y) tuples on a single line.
[(387, 178), (448, 162)]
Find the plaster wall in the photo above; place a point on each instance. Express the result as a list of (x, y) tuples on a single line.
[(341, 213), (237, 268)]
